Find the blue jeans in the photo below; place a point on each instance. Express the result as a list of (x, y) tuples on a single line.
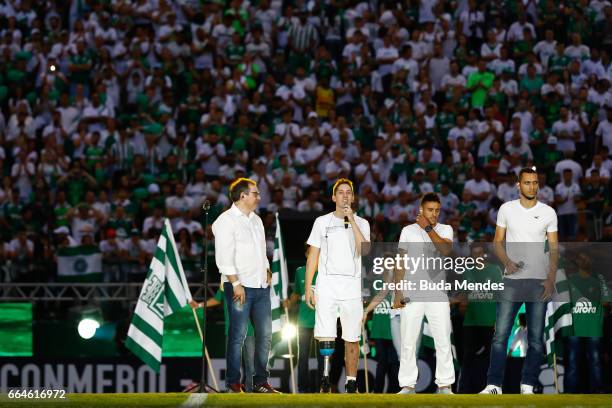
[(506, 313), (594, 362), (568, 224), (257, 308), (248, 363)]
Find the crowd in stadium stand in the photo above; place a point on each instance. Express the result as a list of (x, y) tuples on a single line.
[(116, 114)]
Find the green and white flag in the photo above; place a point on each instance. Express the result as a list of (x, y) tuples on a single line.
[(279, 285), (79, 264), (558, 319), (165, 291)]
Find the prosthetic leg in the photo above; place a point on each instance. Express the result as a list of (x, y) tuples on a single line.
[(326, 349)]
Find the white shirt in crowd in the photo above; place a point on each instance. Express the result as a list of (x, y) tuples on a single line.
[(604, 130), (569, 164), (240, 247), (477, 187), (568, 192)]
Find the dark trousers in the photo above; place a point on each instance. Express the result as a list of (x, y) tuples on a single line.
[(475, 359), (577, 347), (388, 365), (568, 224), (307, 346)]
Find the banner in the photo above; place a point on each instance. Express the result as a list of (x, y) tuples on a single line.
[(79, 264), (164, 292)]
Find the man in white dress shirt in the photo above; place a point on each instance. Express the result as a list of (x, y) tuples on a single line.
[(240, 254), (335, 251), (427, 234)]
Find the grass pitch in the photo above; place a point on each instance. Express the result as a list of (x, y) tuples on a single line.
[(313, 400)]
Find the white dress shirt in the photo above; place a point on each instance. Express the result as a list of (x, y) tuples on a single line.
[(240, 247)]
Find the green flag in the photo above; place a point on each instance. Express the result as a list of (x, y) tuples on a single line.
[(79, 264), (558, 319), (165, 291), (279, 286)]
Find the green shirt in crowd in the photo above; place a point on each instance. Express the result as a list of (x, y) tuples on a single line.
[(381, 320), (306, 315), (587, 293), (480, 82), (481, 313)]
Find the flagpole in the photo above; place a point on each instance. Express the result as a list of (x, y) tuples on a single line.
[(365, 361), (290, 356), (204, 270), (555, 371), (212, 372)]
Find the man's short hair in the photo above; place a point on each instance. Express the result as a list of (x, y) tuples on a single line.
[(238, 187), (340, 182), (527, 170), (430, 197)]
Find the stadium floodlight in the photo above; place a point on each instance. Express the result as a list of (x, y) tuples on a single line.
[(87, 328), (289, 331)]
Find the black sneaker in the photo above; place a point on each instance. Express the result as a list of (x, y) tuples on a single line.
[(264, 388), (351, 387), (325, 386)]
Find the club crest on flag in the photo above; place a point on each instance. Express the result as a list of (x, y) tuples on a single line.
[(152, 295)]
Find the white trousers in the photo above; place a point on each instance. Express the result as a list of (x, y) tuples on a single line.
[(438, 318)]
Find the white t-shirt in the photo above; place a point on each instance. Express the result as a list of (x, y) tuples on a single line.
[(569, 192), (416, 242), (339, 269), (546, 195), (457, 132), (604, 129), (477, 187), (386, 53), (569, 164), (527, 228), (570, 127)]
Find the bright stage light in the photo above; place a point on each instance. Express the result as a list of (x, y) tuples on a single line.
[(87, 328), (289, 331)]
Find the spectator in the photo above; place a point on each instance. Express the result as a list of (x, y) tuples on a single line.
[(567, 195)]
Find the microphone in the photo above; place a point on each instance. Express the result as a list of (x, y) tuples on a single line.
[(206, 205), (346, 220)]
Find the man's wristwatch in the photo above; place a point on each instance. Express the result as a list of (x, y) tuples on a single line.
[(428, 229)]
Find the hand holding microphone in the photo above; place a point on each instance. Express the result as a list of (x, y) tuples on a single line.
[(512, 267), (348, 215)]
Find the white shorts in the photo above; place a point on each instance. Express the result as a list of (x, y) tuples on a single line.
[(327, 312)]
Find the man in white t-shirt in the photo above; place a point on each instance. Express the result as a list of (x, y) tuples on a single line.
[(335, 251), (478, 190), (530, 274), (567, 131), (567, 195), (429, 235), (604, 130)]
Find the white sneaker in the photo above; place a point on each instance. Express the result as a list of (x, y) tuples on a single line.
[(407, 390), (491, 389), (444, 390), (526, 389)]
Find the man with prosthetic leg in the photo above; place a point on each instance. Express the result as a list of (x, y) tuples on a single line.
[(335, 251)]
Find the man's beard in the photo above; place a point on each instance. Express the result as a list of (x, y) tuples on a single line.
[(528, 197)]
